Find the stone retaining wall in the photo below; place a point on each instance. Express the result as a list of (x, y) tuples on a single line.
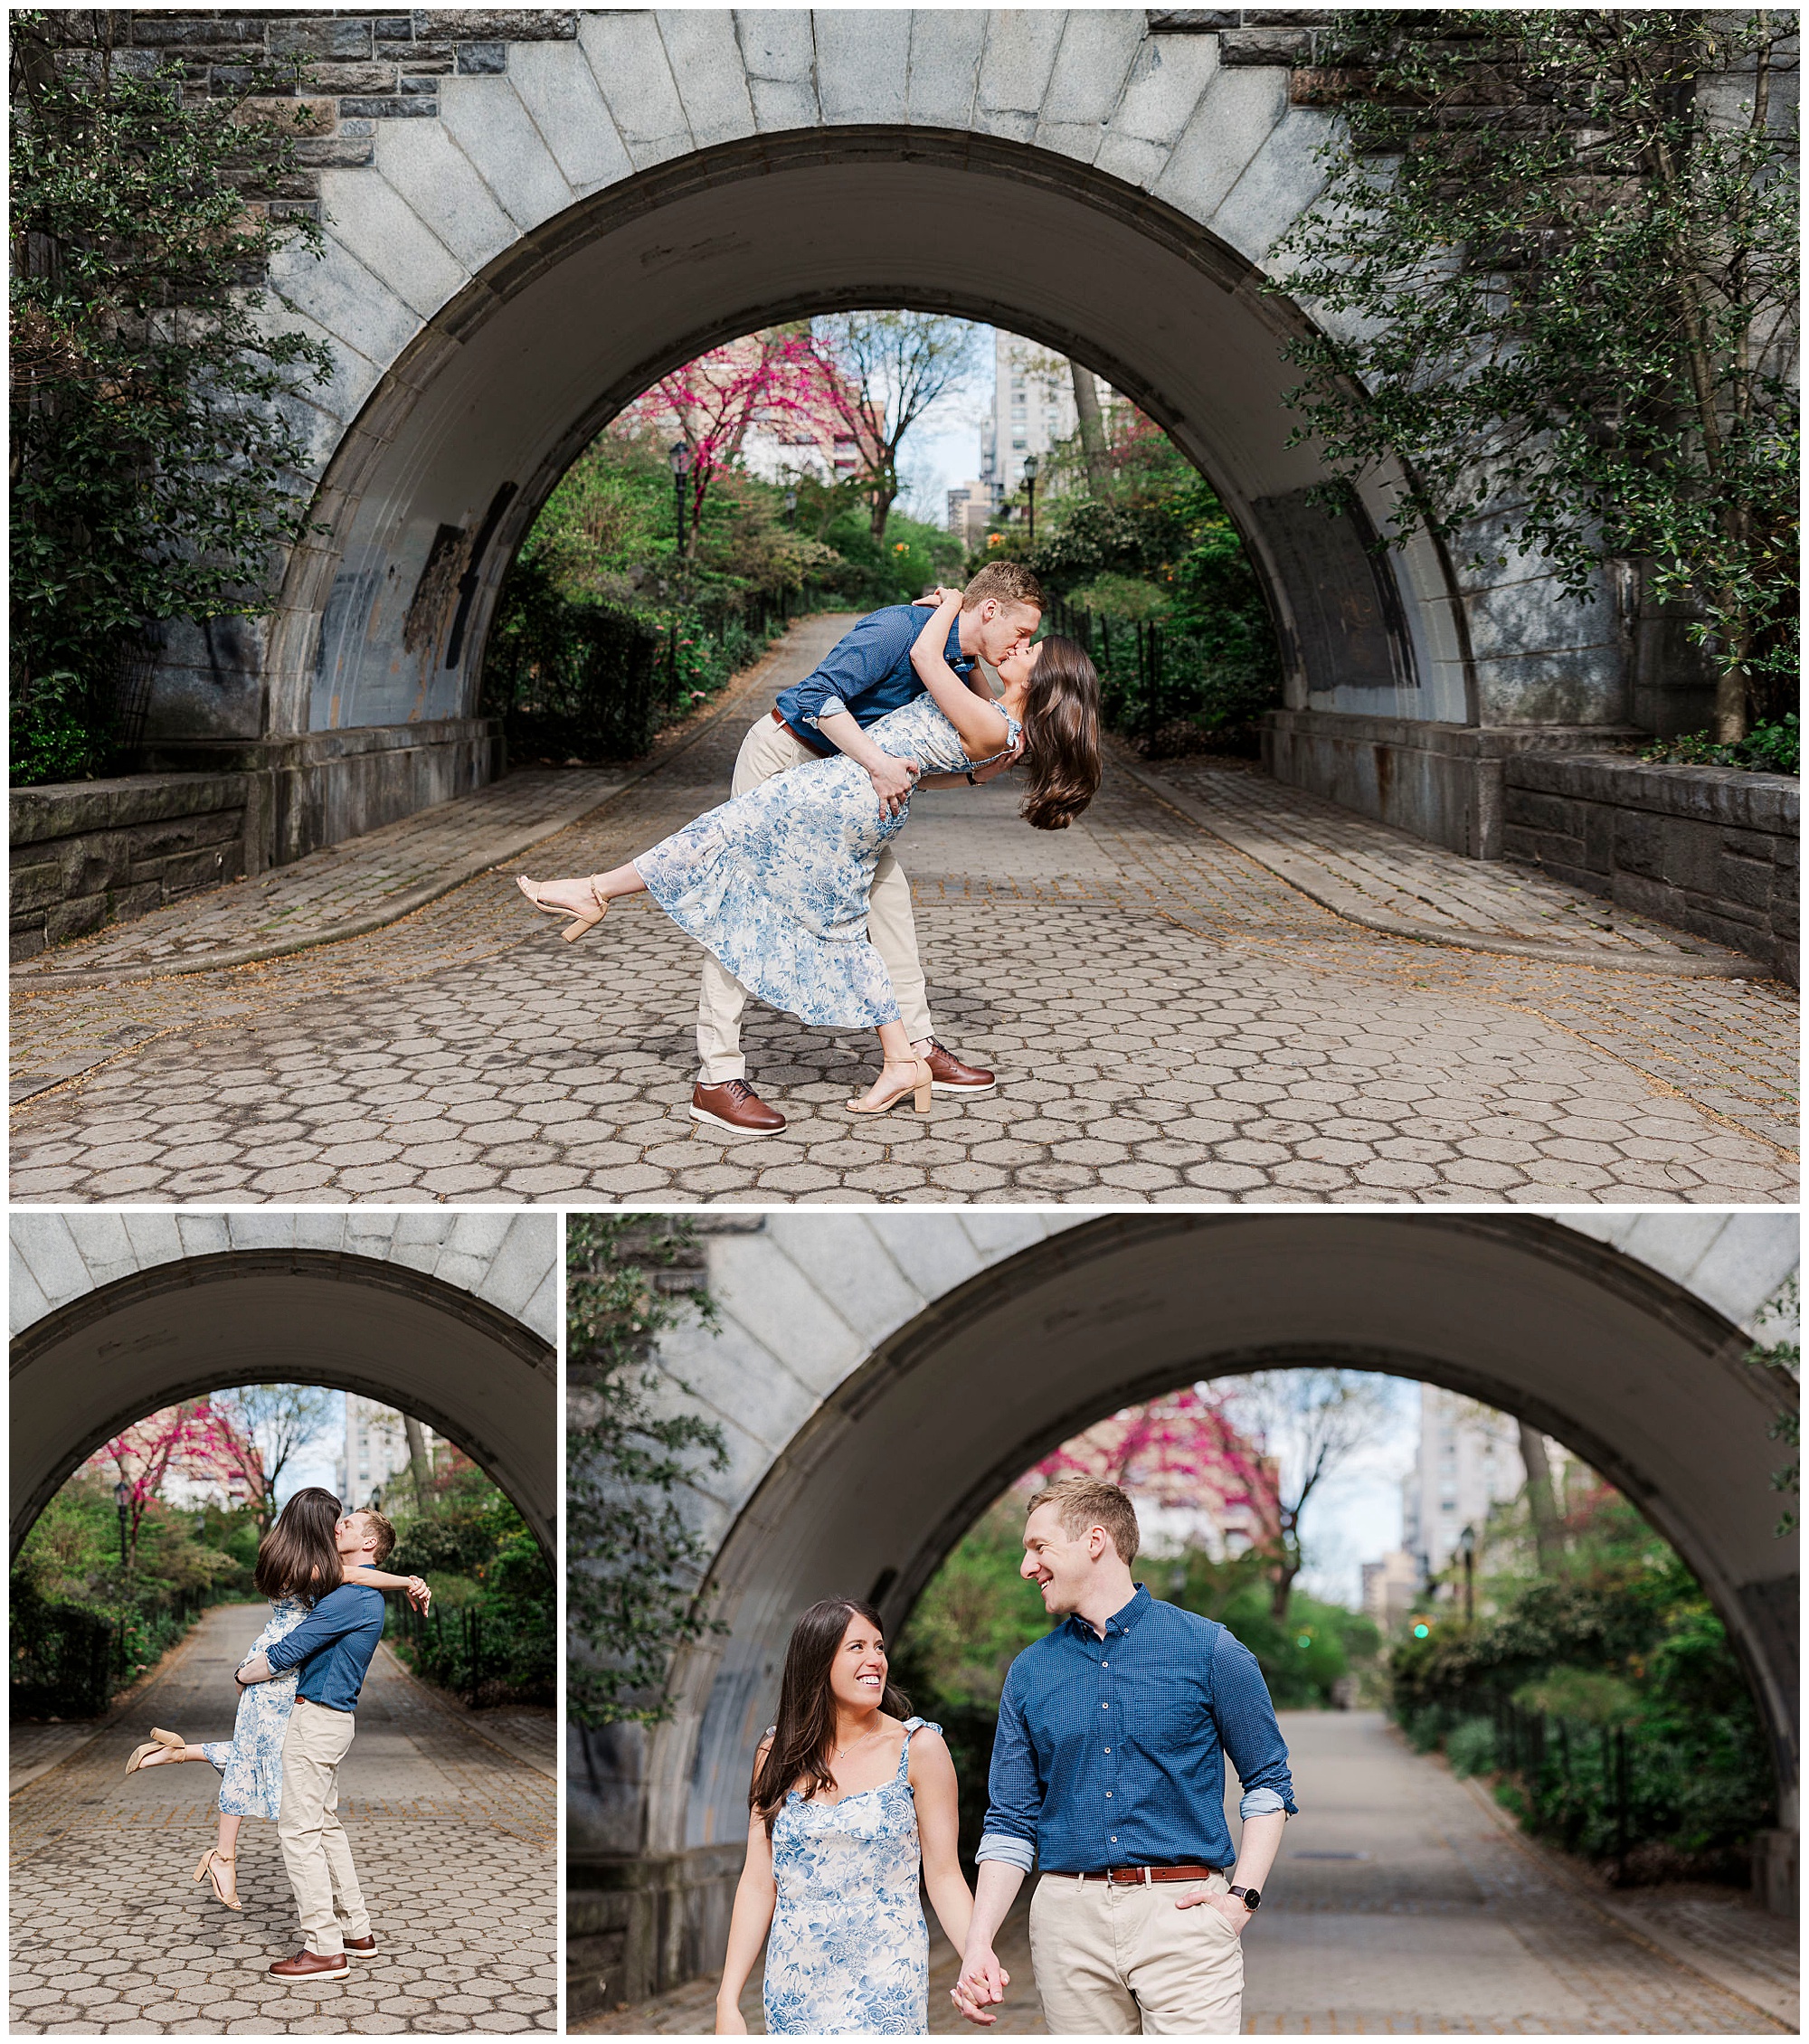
[(1440, 781), (1709, 849), (88, 852)]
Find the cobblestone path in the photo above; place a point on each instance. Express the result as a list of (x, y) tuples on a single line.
[(1402, 1905), (1171, 1021), (453, 1837)]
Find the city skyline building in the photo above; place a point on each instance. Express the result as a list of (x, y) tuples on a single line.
[(375, 1451)]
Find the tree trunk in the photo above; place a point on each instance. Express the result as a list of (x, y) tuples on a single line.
[(1092, 428), (882, 496), (420, 1470), (1547, 1533), (1282, 1588)]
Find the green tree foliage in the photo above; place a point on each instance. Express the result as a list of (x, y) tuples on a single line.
[(1152, 546), (604, 629), (491, 1632), (1554, 265), (635, 1564), (69, 1584), (156, 471), (1624, 1638), (1782, 1362)]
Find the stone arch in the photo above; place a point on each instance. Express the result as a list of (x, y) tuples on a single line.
[(594, 195), (471, 1351), (858, 1462)]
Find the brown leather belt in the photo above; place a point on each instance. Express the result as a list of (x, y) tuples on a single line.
[(822, 751), (1135, 1876)]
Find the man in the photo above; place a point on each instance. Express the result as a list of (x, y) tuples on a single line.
[(332, 1646), (867, 674), (1109, 1769)]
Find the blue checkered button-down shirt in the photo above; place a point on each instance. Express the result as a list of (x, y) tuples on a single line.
[(1111, 1751), (867, 673)]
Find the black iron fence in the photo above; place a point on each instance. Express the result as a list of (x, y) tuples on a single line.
[(67, 1660), (1576, 1777), (1166, 690), (596, 681)]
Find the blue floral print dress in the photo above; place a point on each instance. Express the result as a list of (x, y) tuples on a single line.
[(251, 1763), (848, 1954), (775, 881)]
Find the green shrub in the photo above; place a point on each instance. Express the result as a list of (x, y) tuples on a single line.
[(1469, 1747), (1767, 748)]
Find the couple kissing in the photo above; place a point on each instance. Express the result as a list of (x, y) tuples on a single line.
[(792, 885)]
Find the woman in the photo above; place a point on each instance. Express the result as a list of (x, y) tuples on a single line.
[(297, 1564), (775, 881), (850, 1795)]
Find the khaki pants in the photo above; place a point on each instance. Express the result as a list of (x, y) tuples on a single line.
[(315, 1856), (768, 749), (1111, 1961)]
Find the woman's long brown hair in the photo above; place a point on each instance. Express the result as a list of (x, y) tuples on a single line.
[(805, 1736), (1061, 736), (297, 1557)]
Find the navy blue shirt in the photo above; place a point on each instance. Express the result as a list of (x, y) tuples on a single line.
[(1111, 1753), (867, 673), (333, 1645)]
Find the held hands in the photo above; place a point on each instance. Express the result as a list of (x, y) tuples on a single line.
[(981, 1985), (892, 781), (418, 1595)]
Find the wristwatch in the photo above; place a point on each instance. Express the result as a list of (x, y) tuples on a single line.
[(1248, 1897)]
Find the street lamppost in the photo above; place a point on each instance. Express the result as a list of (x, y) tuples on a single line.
[(681, 459), (122, 1496), (1466, 1543), (1031, 467)]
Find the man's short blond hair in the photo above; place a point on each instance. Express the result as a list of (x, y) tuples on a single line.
[(1005, 581), (381, 1531), (1081, 1502)]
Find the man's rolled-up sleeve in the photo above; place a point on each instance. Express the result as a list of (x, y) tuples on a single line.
[(319, 1629), (1014, 1795), (866, 655), (1249, 1731)]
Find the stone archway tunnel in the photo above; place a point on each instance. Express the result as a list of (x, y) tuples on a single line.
[(530, 216), (880, 1379), (452, 1319)]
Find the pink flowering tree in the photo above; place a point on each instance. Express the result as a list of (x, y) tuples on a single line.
[(1177, 1450), (179, 1440), (775, 376)]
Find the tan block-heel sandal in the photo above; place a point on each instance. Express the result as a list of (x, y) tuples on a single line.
[(579, 923), (227, 1891), (168, 1741)]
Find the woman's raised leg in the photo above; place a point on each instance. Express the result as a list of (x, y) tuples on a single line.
[(585, 899)]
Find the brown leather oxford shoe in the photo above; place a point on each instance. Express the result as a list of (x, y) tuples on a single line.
[(949, 1075), (734, 1106), (312, 1965)]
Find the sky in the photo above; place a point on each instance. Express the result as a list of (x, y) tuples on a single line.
[(943, 449)]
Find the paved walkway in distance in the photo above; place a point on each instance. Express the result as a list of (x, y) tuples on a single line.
[(454, 1838), (1171, 1021), (1402, 1905)]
